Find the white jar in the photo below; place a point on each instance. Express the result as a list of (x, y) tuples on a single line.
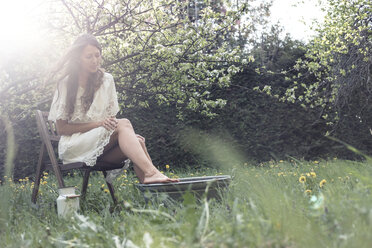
[(67, 201)]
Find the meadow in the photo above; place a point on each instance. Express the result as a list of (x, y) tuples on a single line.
[(275, 204)]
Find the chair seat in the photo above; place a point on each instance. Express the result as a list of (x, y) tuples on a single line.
[(100, 166)]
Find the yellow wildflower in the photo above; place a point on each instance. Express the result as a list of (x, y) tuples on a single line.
[(45, 173), (281, 161), (308, 191), (44, 182), (167, 166), (90, 185), (103, 185), (106, 190), (308, 174), (321, 184), (302, 179), (316, 162), (313, 174)]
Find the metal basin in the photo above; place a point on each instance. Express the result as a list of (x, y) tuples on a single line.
[(195, 185)]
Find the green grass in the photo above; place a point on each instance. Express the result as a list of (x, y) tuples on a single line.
[(266, 206)]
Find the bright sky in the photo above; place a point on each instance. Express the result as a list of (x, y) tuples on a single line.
[(296, 16), (20, 22)]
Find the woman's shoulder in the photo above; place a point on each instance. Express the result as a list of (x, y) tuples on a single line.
[(62, 84), (107, 77), (108, 81)]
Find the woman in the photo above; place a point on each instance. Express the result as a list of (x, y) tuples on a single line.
[(84, 109)]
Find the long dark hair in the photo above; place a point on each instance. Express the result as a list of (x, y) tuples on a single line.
[(67, 71)]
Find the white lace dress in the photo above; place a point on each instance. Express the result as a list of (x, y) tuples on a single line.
[(85, 147)]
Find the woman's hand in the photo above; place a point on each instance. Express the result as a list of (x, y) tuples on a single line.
[(140, 138), (110, 123)]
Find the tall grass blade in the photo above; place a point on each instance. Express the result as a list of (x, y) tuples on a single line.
[(10, 154)]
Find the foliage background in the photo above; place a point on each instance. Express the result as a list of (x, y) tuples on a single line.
[(176, 70)]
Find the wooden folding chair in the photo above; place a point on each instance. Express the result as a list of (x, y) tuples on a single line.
[(48, 134)]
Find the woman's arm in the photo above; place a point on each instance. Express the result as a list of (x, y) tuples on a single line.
[(65, 128)]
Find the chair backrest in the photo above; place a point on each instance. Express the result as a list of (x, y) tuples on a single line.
[(48, 133), (47, 127)]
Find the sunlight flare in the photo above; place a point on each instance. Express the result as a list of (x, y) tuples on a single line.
[(20, 24)]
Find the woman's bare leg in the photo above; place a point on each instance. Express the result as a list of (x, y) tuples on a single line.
[(116, 156), (139, 173), (143, 144), (113, 154), (132, 148)]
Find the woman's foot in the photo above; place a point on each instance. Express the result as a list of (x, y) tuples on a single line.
[(158, 177)]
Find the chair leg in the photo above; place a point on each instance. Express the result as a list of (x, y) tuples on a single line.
[(39, 170), (111, 188), (85, 183)]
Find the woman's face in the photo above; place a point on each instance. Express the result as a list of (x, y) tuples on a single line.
[(90, 59)]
